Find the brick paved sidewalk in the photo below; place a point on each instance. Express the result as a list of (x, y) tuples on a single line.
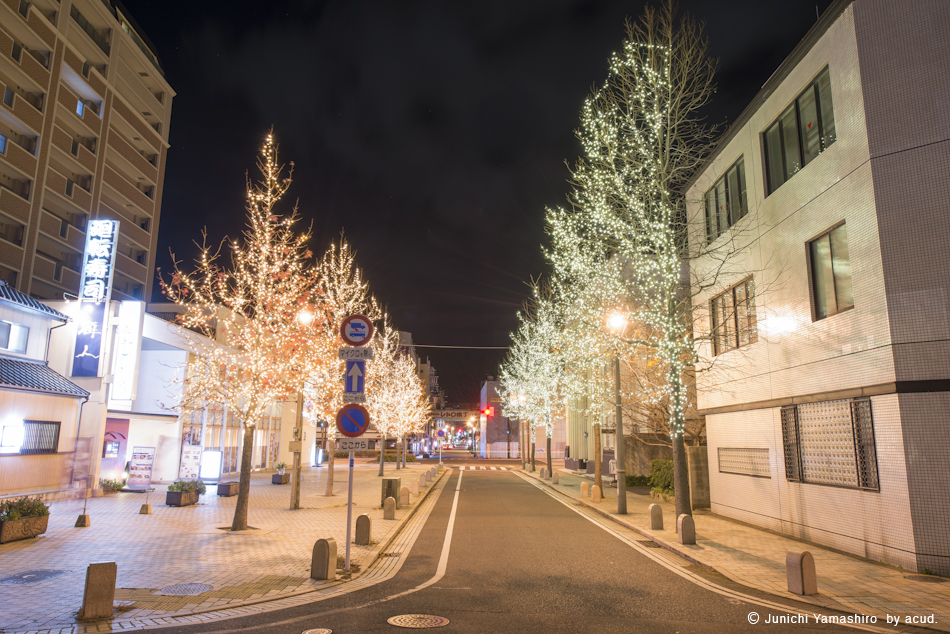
[(756, 558), (186, 546)]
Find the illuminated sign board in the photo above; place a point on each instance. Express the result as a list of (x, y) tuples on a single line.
[(95, 291), (127, 349)]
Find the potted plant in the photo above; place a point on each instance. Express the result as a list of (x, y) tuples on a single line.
[(184, 492), (280, 477), (228, 489), (22, 519)]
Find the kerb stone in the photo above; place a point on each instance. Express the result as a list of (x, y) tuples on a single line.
[(800, 573), (364, 528), (99, 595), (389, 509), (323, 562), (686, 527)]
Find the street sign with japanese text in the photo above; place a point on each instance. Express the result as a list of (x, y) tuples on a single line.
[(354, 398), (352, 444), (365, 354)]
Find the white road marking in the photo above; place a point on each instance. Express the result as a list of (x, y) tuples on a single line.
[(686, 574)]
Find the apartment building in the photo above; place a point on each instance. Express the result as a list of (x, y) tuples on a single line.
[(828, 401), (83, 135)]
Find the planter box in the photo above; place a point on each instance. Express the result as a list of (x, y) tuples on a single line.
[(181, 498), (279, 478), (228, 489), (23, 528)]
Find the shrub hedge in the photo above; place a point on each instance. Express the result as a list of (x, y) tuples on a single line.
[(24, 507), (661, 475), (188, 485)]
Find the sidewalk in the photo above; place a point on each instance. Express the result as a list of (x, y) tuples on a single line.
[(756, 558), (186, 545)]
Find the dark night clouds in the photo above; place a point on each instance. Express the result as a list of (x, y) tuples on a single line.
[(434, 133)]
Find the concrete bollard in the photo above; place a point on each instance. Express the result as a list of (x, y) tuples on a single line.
[(656, 517), (554, 477), (422, 481), (800, 572), (415, 488), (146, 509), (99, 595), (543, 473), (364, 529), (404, 496), (585, 490), (595, 494), (323, 561), (686, 527), (83, 521), (389, 509)]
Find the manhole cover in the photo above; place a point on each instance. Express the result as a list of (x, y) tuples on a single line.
[(926, 578), (183, 589), (319, 630), (418, 621), (32, 576), (649, 543)]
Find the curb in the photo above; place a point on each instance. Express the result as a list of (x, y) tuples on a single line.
[(370, 559)]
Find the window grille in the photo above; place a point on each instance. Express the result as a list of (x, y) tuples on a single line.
[(40, 437), (793, 466)]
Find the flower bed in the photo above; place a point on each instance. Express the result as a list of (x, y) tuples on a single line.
[(22, 519)]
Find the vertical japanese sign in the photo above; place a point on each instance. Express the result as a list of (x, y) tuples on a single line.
[(140, 468), (128, 343), (95, 291)]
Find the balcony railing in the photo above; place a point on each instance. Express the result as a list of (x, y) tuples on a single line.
[(90, 30)]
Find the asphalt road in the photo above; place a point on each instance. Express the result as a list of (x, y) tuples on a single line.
[(521, 561)]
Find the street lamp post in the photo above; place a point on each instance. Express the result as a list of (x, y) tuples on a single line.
[(618, 323)]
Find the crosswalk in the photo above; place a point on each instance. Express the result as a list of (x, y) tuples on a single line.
[(471, 468)]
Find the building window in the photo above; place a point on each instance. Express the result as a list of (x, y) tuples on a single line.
[(751, 462), (13, 337), (802, 132), (831, 273), (40, 436), (726, 201), (79, 108), (733, 318), (830, 443)]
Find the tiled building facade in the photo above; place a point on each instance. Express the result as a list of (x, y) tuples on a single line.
[(828, 401), (83, 134)]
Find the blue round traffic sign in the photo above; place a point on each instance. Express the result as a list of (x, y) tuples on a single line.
[(352, 420), (441, 433)]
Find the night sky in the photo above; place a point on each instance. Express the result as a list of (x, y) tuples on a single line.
[(434, 133)]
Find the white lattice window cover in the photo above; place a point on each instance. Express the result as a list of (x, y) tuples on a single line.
[(745, 461), (827, 443)]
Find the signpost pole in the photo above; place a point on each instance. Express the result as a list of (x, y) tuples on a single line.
[(349, 515), (296, 477), (440, 452)]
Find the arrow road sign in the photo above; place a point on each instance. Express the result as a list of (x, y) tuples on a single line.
[(352, 420), (355, 377), (356, 330)]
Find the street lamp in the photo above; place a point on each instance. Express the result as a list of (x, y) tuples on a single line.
[(617, 323)]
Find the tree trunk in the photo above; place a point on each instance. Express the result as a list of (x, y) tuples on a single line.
[(534, 464), (550, 465), (680, 461), (598, 468), (239, 523), (382, 452), (331, 459), (522, 444), (398, 459), (508, 438), (404, 451), (681, 477)]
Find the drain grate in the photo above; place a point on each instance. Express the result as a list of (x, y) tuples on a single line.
[(390, 555), (649, 543), (926, 578), (31, 576), (185, 589), (319, 630), (418, 621)]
